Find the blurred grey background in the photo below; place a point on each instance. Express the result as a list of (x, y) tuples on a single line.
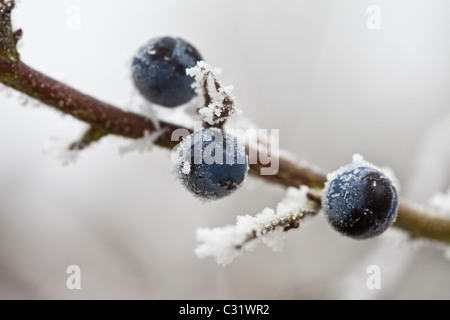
[(312, 69)]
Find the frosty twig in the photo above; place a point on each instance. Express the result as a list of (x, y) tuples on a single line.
[(268, 226), (91, 135), (219, 102)]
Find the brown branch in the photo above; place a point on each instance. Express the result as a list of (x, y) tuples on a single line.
[(83, 107), (421, 224), (291, 174), (105, 119)]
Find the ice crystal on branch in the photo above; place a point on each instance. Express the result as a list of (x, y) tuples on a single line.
[(219, 103), (269, 226)]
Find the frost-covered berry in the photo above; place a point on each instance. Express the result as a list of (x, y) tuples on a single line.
[(159, 70), (360, 201), (211, 163)]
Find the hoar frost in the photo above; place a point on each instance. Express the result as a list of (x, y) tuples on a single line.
[(226, 243), (441, 203)]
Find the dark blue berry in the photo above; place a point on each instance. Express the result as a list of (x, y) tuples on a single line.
[(211, 163), (159, 70), (360, 201)]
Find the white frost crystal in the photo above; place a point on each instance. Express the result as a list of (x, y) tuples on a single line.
[(226, 243), (201, 70), (441, 202)]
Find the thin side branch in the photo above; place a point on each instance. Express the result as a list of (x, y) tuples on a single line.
[(91, 135), (293, 222), (219, 102), (269, 227)]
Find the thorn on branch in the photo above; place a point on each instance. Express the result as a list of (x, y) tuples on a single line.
[(18, 35), (294, 225)]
